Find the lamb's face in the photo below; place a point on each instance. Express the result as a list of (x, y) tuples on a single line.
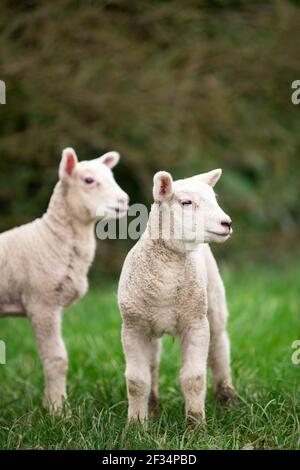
[(189, 207), (92, 190)]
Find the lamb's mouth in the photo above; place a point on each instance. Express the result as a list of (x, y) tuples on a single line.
[(223, 235), (118, 210)]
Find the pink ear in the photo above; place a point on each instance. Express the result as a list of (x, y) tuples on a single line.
[(68, 163), (110, 159), (163, 186)]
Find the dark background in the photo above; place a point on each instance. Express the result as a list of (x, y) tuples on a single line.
[(182, 86)]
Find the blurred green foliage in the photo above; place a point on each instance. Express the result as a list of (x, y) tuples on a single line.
[(172, 85)]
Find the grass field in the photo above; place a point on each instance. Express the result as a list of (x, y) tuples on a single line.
[(264, 321)]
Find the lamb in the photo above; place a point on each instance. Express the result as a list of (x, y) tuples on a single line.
[(170, 283), (44, 264)]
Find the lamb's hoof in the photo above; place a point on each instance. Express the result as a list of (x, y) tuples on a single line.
[(226, 395), (59, 409), (196, 419), (65, 411), (154, 404), (134, 421)]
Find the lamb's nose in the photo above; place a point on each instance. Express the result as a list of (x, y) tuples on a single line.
[(227, 223)]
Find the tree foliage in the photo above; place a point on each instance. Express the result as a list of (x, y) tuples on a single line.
[(179, 86)]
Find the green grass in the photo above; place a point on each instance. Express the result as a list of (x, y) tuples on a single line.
[(264, 322)]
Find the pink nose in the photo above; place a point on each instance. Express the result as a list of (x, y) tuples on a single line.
[(227, 223)]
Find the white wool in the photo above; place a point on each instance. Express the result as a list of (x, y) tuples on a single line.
[(45, 264), (173, 286)]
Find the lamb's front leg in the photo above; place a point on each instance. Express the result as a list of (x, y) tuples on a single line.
[(46, 324), (154, 365), (195, 344), (137, 349)]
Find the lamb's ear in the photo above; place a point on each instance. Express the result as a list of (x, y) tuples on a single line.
[(68, 163), (110, 159), (162, 186), (212, 177)]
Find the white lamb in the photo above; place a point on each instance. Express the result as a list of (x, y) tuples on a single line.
[(44, 264), (171, 284)]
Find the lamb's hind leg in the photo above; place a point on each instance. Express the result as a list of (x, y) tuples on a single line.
[(195, 343), (46, 324), (219, 351), (137, 349), (154, 364), (219, 361)]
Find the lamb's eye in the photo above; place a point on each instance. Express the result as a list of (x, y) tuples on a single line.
[(89, 180), (186, 202)]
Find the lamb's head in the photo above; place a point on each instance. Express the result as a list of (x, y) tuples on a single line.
[(91, 189), (187, 209)]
